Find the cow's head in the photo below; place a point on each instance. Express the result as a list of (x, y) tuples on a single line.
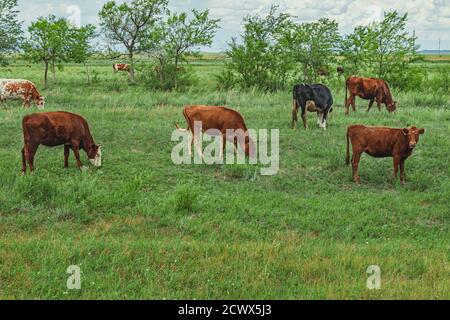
[(413, 135), (392, 106), (40, 102), (95, 155)]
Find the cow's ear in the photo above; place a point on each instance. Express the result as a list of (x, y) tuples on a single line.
[(405, 131), (422, 131)]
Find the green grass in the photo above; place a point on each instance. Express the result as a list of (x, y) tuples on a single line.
[(142, 227)]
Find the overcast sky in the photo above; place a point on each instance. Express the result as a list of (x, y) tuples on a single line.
[(429, 18)]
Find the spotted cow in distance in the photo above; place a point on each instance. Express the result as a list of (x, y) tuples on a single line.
[(121, 67), (20, 89)]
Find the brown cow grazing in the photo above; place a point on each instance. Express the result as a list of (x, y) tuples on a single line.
[(19, 89), (121, 67), (370, 89), (229, 122), (382, 142), (58, 128)]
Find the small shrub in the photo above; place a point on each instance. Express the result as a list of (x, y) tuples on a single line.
[(186, 197), (159, 77)]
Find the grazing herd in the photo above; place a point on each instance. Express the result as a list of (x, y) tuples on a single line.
[(71, 130)]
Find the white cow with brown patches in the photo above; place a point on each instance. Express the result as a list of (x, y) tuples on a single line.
[(19, 89)]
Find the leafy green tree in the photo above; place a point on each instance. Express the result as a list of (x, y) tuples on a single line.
[(177, 38), (383, 49), (10, 31), (262, 58), (80, 48), (48, 42), (130, 24), (314, 46), (357, 48)]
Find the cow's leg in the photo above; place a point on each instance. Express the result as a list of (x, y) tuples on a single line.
[(190, 141), (324, 119), (29, 154), (355, 162), (397, 160), (305, 124), (354, 103), (294, 113), (378, 103), (347, 104), (26, 103), (197, 147), (24, 161), (66, 155), (370, 104), (223, 143), (402, 171), (76, 152)]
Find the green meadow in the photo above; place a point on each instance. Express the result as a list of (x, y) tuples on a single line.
[(141, 227)]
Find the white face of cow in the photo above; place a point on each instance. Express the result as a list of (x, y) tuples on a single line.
[(97, 161), (40, 103)]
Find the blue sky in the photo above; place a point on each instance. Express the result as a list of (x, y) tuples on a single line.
[(429, 18)]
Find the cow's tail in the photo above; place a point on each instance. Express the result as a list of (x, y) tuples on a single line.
[(187, 121), (346, 89), (179, 128), (347, 158), (294, 107)]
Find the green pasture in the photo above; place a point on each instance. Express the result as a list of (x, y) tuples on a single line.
[(141, 227)]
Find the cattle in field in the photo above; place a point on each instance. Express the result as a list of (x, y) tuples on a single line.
[(19, 89), (58, 128), (121, 67), (340, 70), (323, 72), (321, 101), (370, 89), (228, 122), (382, 142)]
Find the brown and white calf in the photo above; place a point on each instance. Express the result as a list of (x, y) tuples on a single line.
[(213, 119), (58, 128), (19, 89), (121, 67), (382, 142)]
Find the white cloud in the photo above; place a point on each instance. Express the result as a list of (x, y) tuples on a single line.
[(430, 18)]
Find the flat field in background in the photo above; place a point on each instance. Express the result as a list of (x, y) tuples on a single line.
[(141, 227)]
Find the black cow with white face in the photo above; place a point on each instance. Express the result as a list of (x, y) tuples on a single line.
[(313, 98)]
